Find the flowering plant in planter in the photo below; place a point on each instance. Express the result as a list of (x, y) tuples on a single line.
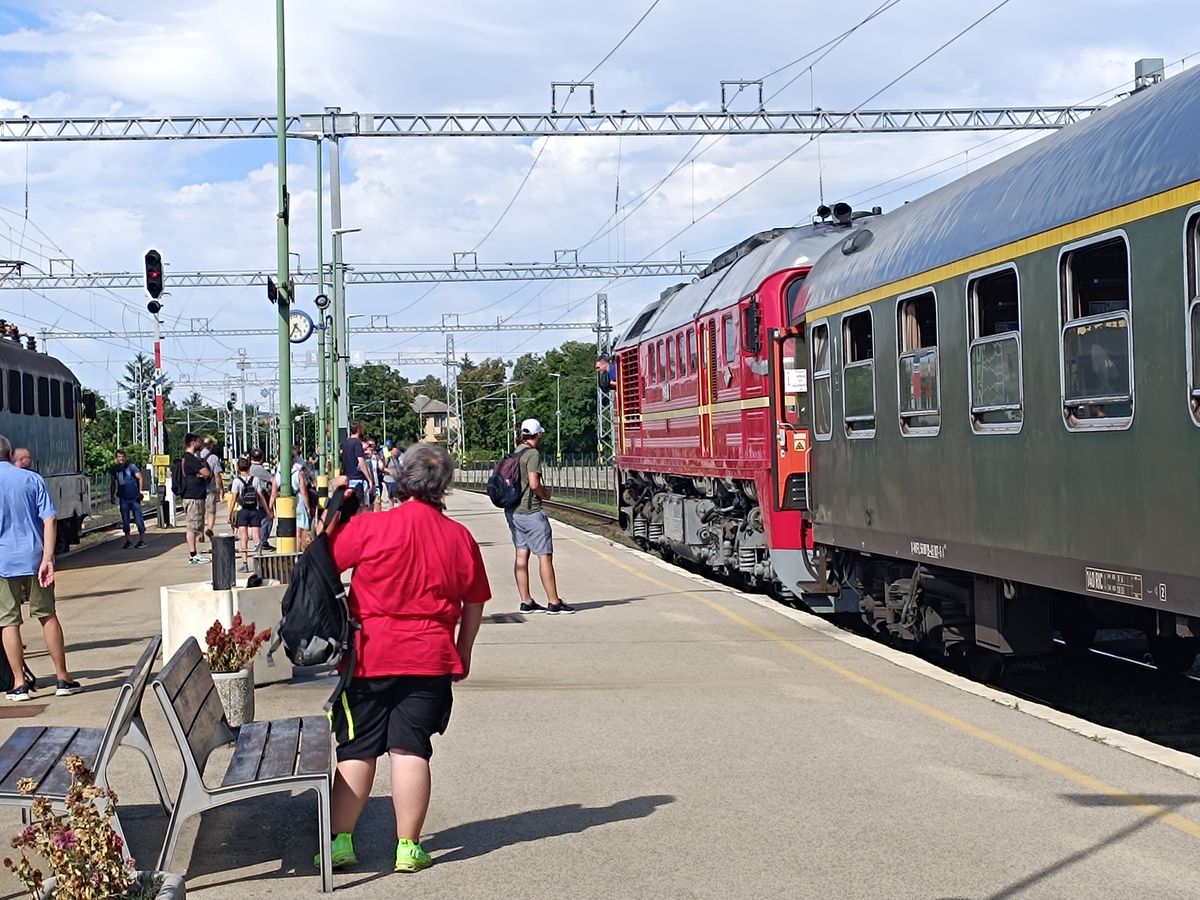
[(81, 846), (233, 648)]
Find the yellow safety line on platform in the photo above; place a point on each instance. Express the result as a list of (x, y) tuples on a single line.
[(1176, 821)]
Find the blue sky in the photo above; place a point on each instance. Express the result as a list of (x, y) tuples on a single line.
[(212, 205)]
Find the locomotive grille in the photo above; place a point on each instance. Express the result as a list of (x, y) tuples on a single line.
[(795, 491)]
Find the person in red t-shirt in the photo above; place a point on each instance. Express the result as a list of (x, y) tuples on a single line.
[(417, 575)]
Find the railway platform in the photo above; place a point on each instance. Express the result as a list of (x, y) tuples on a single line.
[(673, 738)]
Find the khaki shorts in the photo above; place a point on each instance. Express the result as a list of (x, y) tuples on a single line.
[(210, 504), (15, 590), (193, 511)]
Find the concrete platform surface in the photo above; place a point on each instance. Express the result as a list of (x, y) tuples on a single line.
[(671, 739)]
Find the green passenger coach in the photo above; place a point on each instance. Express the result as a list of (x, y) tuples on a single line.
[(1005, 394)]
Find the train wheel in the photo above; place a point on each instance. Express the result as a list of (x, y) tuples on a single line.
[(1173, 655), (984, 664)]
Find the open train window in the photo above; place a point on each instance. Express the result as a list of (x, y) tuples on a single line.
[(691, 344), (994, 357), (917, 364), (55, 398), (858, 374), (27, 395), (1097, 341), (14, 391), (1192, 246), (68, 399), (822, 393), (679, 355)]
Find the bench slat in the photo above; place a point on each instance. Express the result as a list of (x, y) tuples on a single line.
[(41, 757), (179, 668), (315, 750), (192, 696), (85, 743), (247, 756), (203, 733), (279, 757), (16, 747)]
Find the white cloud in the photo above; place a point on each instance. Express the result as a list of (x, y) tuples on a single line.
[(420, 200)]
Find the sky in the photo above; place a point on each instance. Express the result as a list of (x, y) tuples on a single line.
[(212, 205)]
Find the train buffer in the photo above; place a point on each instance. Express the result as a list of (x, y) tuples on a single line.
[(673, 738)]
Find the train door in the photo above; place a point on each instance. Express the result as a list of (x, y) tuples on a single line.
[(790, 405), (707, 385)]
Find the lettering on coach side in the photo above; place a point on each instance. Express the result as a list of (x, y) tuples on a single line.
[(929, 551), (1124, 585)]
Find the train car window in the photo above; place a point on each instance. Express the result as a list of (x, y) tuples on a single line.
[(994, 356), (691, 344), (794, 357), (43, 396), (679, 355), (1097, 342), (822, 382), (14, 391), (662, 363), (858, 374), (917, 364), (730, 338), (68, 399), (27, 394), (1193, 301), (649, 364), (671, 359), (55, 398)]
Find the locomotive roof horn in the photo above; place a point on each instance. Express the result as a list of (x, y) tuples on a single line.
[(823, 211), (842, 213)]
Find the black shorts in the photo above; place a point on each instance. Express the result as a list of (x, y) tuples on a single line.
[(398, 712), (247, 518)]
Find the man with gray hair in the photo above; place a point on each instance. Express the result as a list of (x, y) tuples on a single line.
[(28, 532)]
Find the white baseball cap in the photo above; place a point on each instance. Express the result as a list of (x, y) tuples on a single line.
[(531, 426)]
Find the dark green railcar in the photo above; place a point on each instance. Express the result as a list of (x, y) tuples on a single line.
[(1006, 394)]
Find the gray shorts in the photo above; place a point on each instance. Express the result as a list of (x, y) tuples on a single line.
[(531, 531)]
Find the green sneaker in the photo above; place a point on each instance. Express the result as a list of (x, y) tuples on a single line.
[(411, 857), (342, 852)]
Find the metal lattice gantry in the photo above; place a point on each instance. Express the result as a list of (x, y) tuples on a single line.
[(334, 123), (12, 280), (376, 325)]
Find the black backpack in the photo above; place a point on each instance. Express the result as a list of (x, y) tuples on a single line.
[(504, 487), (316, 628), (248, 495)]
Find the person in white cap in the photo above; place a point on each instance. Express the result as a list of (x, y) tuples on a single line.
[(530, 528)]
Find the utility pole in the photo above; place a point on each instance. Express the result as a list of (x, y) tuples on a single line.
[(322, 438), (557, 376), (285, 530), (605, 446), (242, 364), (340, 376)]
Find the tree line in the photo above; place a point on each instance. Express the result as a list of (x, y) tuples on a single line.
[(496, 395)]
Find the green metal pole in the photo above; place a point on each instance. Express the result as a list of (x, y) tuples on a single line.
[(322, 440), (285, 526)]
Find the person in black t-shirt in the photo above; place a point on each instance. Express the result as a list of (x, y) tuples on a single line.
[(196, 476), (354, 463)]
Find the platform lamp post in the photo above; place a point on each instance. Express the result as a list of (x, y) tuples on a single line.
[(557, 376), (282, 293)]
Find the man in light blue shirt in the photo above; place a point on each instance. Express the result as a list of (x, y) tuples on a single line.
[(28, 531)]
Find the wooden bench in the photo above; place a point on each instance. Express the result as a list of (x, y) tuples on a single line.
[(40, 752), (280, 756)]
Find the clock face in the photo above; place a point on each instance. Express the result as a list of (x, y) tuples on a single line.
[(300, 326)]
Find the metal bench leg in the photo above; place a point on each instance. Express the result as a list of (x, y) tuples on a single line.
[(139, 740), (325, 836), (186, 806)]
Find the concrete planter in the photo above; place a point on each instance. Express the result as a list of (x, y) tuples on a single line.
[(188, 610), (236, 690), (172, 887)]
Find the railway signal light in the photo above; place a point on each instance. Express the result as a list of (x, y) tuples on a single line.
[(154, 279)]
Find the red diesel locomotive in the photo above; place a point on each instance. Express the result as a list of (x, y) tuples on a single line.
[(711, 413)]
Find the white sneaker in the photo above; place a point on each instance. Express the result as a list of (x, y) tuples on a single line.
[(198, 560)]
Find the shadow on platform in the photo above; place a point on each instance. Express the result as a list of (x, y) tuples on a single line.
[(109, 552)]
